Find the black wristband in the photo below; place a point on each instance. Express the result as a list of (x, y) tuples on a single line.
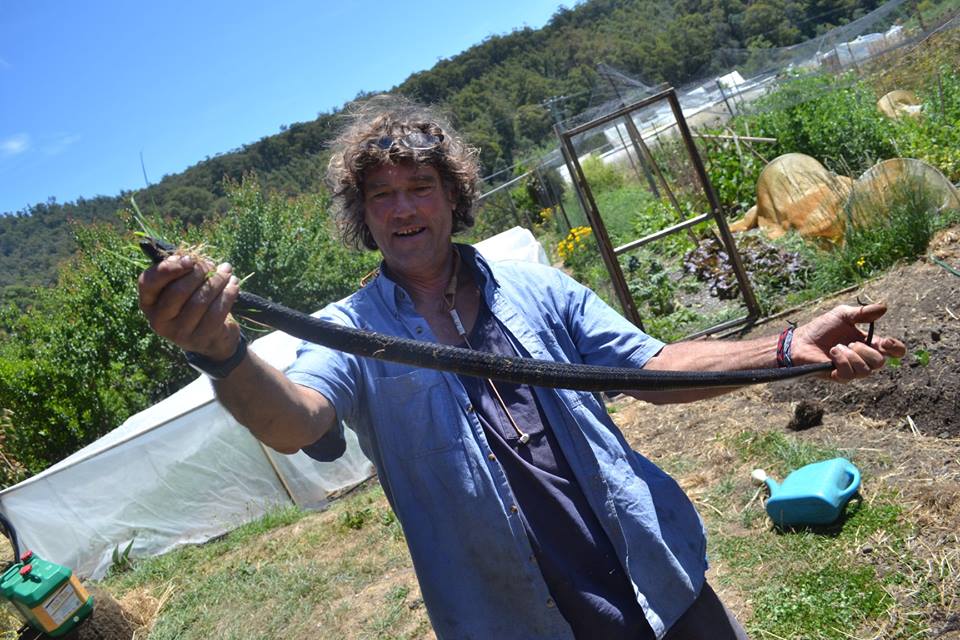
[(218, 370)]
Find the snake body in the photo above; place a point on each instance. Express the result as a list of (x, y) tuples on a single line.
[(429, 355)]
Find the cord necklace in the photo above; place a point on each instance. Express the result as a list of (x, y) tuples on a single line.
[(450, 302)]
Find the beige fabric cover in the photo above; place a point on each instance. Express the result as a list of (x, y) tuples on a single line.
[(899, 103), (796, 192)]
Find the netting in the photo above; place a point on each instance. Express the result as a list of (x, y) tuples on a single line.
[(734, 77)]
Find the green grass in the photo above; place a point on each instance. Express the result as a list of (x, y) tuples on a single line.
[(777, 452), (346, 572), (834, 597), (620, 209), (814, 584), (267, 579)]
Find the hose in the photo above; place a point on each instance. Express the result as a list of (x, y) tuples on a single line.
[(429, 355)]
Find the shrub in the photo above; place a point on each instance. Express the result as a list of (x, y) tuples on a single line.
[(83, 359), (601, 176), (288, 246)]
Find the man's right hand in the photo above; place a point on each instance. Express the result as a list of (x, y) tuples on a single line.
[(188, 302)]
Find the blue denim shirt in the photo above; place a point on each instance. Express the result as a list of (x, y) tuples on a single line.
[(477, 572)]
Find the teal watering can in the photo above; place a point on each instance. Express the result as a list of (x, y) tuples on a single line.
[(812, 495)]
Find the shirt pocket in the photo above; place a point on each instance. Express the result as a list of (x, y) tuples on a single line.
[(417, 414)]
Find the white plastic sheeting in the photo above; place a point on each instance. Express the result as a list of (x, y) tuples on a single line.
[(184, 471)]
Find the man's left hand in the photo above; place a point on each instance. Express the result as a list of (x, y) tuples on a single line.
[(835, 337)]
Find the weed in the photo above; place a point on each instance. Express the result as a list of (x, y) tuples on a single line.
[(121, 557), (355, 519), (830, 599), (902, 221)]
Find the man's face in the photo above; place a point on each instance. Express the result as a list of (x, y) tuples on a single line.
[(410, 214)]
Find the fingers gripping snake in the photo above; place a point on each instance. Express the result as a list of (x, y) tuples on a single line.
[(430, 355)]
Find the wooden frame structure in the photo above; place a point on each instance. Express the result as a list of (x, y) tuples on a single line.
[(608, 252)]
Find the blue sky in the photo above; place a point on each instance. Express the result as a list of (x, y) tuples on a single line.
[(85, 87)]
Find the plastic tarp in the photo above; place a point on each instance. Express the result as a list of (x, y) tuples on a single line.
[(184, 471)]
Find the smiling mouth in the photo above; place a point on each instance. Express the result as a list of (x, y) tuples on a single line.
[(406, 233)]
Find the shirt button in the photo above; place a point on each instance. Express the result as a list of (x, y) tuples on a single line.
[(513, 508), (490, 456), (550, 603), (419, 329), (469, 408)]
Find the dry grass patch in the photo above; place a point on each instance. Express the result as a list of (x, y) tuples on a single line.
[(342, 573)]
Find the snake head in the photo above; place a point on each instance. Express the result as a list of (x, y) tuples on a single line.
[(156, 249)]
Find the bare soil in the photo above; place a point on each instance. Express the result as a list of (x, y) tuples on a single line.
[(921, 394)]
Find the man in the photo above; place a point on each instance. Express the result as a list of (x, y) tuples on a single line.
[(526, 512)]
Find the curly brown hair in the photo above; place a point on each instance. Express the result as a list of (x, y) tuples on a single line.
[(356, 152)]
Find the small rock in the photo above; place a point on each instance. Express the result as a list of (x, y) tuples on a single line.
[(865, 549), (807, 414), (935, 335)]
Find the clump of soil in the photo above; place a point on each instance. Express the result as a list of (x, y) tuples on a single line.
[(128, 619), (807, 414)]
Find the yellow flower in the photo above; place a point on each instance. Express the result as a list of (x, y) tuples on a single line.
[(861, 261)]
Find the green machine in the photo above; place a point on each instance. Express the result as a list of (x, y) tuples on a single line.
[(45, 594)]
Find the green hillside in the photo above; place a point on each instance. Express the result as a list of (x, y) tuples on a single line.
[(495, 91)]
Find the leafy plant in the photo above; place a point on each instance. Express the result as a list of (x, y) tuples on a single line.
[(651, 286), (355, 518), (831, 119), (121, 557), (733, 172), (935, 137), (772, 269)]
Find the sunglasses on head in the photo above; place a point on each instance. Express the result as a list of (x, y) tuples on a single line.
[(415, 141)]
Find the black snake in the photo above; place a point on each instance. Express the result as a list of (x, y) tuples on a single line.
[(430, 355)]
